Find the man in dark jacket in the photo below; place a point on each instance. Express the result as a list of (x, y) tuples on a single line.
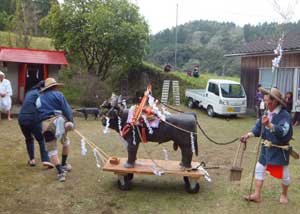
[(31, 126), (56, 116), (276, 130)]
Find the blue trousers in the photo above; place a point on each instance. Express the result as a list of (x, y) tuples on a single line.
[(30, 130)]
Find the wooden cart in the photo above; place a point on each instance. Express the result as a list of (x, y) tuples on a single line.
[(145, 166)]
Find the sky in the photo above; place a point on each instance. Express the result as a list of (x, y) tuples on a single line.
[(161, 14)]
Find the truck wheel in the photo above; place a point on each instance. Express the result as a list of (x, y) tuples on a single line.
[(210, 111), (191, 103)]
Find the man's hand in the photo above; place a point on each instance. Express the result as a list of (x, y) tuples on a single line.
[(244, 138), (265, 121), (69, 126)]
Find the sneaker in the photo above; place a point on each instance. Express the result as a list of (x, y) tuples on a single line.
[(67, 167), (61, 177)]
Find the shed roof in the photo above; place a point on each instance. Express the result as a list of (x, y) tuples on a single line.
[(291, 42), (25, 55)]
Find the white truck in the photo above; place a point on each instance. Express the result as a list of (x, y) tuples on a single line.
[(223, 97)]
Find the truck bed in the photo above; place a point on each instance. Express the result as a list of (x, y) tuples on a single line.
[(195, 94)]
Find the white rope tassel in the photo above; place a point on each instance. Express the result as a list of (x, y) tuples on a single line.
[(83, 147), (166, 154), (96, 157), (156, 171), (133, 136), (106, 130), (150, 130), (119, 125), (192, 142)]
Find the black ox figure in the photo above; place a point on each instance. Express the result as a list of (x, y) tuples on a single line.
[(163, 133), (87, 111)]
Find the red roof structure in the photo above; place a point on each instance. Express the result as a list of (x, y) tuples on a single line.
[(25, 55)]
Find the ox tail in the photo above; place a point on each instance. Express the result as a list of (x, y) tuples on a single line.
[(196, 145), (195, 135)]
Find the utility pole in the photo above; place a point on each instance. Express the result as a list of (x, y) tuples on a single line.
[(175, 63)]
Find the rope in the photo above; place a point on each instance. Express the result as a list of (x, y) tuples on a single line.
[(201, 129), (213, 141), (99, 151)]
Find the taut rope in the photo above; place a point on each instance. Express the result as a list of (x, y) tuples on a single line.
[(201, 129)]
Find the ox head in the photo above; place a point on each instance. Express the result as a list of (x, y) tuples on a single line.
[(112, 109)]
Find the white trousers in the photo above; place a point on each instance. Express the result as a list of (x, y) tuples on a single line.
[(261, 169)]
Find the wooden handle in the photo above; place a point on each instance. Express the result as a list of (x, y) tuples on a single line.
[(236, 154), (242, 155)]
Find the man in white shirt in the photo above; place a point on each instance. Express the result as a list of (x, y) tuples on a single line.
[(5, 95)]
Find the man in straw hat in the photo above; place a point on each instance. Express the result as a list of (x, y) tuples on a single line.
[(5, 95), (276, 129), (56, 116)]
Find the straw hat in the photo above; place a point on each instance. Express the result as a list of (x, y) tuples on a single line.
[(274, 93), (50, 82)]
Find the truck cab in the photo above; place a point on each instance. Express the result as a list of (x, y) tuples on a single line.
[(223, 97)]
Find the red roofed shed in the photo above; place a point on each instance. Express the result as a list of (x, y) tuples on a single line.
[(26, 67)]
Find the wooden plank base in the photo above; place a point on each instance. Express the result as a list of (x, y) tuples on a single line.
[(145, 166)]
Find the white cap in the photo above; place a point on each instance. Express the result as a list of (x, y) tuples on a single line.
[(1, 73)]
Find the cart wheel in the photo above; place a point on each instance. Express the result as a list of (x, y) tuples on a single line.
[(191, 185), (130, 176), (123, 182)]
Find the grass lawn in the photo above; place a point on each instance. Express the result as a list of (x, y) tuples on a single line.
[(34, 190), (9, 40)]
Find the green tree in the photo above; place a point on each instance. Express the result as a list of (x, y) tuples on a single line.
[(100, 33), (3, 20), (8, 6), (22, 23)]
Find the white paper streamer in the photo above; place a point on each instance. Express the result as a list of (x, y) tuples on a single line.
[(96, 157), (192, 142), (133, 136), (124, 103), (119, 125), (83, 147), (151, 100), (206, 175), (106, 129), (278, 51), (166, 156), (150, 130)]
